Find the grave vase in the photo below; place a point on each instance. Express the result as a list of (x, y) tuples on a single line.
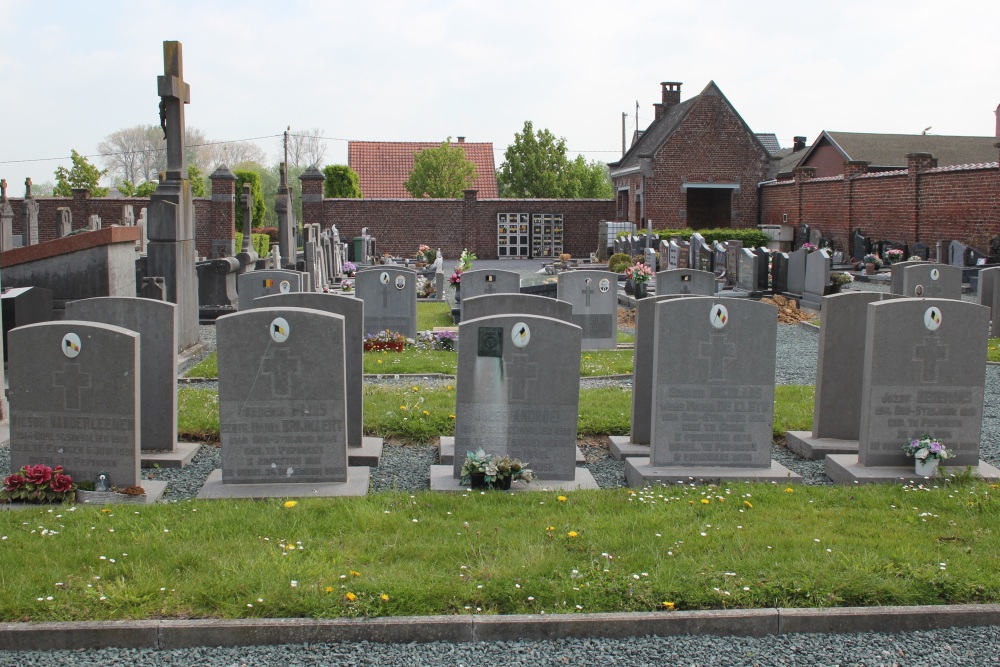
[(641, 290), (629, 286), (926, 467), (458, 292), (869, 269), (834, 288)]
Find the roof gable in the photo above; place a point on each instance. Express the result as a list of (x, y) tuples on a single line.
[(884, 151), (384, 166)]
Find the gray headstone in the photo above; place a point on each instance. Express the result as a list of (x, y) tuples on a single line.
[(261, 283), (491, 305), (683, 255), (282, 411), (64, 221), (713, 392), (6, 219), (594, 298), (23, 306), (673, 254), (154, 322), (519, 392), (685, 281), (390, 296), (989, 290), (896, 276), (489, 281), (153, 288), (817, 279), (931, 281), (217, 282), (94, 223), (353, 312), (128, 215), (142, 223), (797, 272), (779, 272), (74, 399), (839, 367), (733, 262), (924, 373), (747, 276)]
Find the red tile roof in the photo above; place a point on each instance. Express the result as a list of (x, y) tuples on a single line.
[(383, 166)]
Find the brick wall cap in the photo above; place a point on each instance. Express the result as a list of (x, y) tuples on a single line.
[(919, 156), (312, 174), (222, 173)]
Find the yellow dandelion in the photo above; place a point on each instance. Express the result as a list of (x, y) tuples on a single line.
[(550, 529), (329, 589), (449, 387), (416, 388), (572, 533), (587, 357), (669, 606), (355, 573), (561, 499), (385, 598), (748, 503), (291, 503), (378, 361), (351, 597), (451, 416), (426, 413), (403, 408), (789, 490), (705, 501), (106, 511)]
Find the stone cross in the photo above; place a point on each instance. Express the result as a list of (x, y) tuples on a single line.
[(27, 188), (72, 382), (3, 189), (283, 369), (174, 93), (587, 292), (717, 352), (930, 352), (518, 381), (283, 171)]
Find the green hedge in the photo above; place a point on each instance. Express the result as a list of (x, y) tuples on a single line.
[(261, 243), (750, 236)]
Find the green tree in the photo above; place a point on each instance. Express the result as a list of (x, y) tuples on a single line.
[(197, 181), (82, 175), (249, 173), (341, 182), (144, 189), (534, 165), (442, 172), (587, 180)]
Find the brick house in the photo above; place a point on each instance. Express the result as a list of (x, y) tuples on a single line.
[(698, 162), (384, 166)]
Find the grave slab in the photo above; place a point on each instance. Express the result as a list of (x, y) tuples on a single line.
[(446, 451), (845, 469), (358, 478), (443, 480), (813, 449), (639, 472), (516, 304), (622, 447)]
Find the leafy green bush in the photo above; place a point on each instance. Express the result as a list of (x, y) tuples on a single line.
[(750, 236), (261, 243), (258, 208), (618, 262)]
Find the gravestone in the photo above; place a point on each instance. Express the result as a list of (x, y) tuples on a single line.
[(29, 216), (309, 253), (987, 295), (23, 306), (816, 237), (287, 224), (153, 288), (957, 253), (896, 277), (128, 215), (171, 246), (801, 236), (747, 278), (594, 299), (839, 376), (217, 284), (684, 255), (94, 223), (255, 284), (719, 259), (247, 256), (6, 219), (763, 269), (154, 322), (921, 250), (491, 305), (685, 281), (64, 221), (673, 254), (713, 393), (817, 280), (282, 406), (74, 400), (923, 374), (361, 451), (649, 259), (390, 296), (695, 243), (518, 395), (797, 272), (142, 223), (779, 272), (489, 281), (930, 280), (860, 246)]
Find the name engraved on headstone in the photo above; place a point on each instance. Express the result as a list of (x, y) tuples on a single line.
[(499, 428)]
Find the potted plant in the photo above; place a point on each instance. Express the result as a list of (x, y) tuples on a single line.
[(466, 260), (838, 280), (489, 471), (872, 263), (639, 274), (426, 254), (927, 452), (893, 255), (349, 269), (385, 341), (88, 493), (38, 484), (445, 340), (809, 247), (346, 286)]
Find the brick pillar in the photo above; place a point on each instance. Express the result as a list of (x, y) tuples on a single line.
[(915, 164), (802, 175), (80, 207), (469, 238), (222, 220), (312, 180), (852, 169)]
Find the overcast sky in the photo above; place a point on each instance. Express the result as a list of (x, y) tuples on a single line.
[(73, 72)]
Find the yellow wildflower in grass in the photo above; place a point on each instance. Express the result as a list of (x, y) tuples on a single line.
[(451, 416), (385, 598), (705, 501), (416, 388), (572, 533), (748, 503), (291, 503), (351, 597), (789, 490), (669, 606), (426, 413), (355, 573), (403, 408), (106, 511), (561, 499), (329, 589), (449, 387), (378, 361), (550, 529)]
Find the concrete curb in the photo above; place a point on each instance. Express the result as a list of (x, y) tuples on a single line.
[(175, 634)]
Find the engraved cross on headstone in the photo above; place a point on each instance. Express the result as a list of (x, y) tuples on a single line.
[(72, 382), (933, 288), (587, 292), (174, 93), (283, 369), (517, 372), (931, 351), (717, 351)]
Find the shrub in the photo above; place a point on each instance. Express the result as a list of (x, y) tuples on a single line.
[(269, 232), (618, 262), (261, 243), (751, 237)]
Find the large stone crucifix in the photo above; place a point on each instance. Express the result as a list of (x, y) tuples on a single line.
[(174, 94)]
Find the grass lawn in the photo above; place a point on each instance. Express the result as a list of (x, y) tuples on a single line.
[(993, 349)]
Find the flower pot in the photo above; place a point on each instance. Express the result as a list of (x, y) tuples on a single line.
[(641, 290), (926, 467), (479, 482), (629, 286), (834, 288), (869, 269), (458, 293)]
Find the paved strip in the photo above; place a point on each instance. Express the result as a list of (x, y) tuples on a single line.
[(177, 634)]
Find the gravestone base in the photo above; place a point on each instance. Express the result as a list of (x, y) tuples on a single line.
[(622, 447), (178, 457), (813, 449), (845, 469), (446, 452), (154, 492), (639, 472), (369, 454), (185, 359), (442, 479), (356, 485)]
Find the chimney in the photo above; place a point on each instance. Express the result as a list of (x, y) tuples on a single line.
[(461, 140), (671, 97), (798, 143)]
